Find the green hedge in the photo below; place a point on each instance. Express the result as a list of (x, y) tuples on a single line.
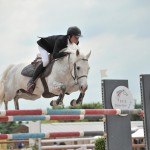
[(100, 144)]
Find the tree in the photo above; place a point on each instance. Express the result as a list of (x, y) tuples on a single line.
[(136, 117)]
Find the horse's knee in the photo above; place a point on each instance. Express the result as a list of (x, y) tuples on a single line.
[(63, 88)]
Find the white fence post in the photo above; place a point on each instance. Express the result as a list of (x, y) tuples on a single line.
[(35, 127)]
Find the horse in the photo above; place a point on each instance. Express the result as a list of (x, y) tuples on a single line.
[(69, 74)]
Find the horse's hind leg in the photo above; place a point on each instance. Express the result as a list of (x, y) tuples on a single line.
[(6, 105), (16, 98), (16, 102)]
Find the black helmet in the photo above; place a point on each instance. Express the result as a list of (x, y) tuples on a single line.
[(74, 31)]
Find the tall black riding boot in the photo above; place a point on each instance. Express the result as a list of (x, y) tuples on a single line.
[(31, 83)]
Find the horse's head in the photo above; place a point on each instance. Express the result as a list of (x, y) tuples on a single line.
[(80, 70)]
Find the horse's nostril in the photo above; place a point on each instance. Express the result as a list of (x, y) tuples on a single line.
[(80, 87), (83, 88)]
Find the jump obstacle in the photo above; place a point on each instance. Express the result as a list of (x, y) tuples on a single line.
[(50, 117), (70, 112), (118, 128), (50, 135)]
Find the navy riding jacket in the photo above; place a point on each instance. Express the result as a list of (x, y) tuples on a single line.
[(54, 44)]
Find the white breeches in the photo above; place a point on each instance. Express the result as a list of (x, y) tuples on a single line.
[(44, 55)]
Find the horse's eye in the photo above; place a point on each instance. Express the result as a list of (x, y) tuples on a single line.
[(78, 68)]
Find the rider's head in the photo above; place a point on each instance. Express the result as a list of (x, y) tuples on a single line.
[(74, 33)]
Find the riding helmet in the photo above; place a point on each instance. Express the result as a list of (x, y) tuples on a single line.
[(74, 30)]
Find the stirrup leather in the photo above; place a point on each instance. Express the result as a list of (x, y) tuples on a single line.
[(30, 87)]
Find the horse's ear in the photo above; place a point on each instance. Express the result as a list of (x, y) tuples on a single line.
[(88, 55), (77, 52)]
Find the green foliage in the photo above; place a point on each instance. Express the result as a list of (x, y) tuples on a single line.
[(87, 106), (7, 127), (136, 117), (100, 144), (50, 121)]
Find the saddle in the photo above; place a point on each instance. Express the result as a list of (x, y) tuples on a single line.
[(28, 71)]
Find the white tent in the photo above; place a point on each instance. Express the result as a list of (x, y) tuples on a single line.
[(138, 133)]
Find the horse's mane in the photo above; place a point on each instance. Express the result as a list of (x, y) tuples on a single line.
[(72, 48)]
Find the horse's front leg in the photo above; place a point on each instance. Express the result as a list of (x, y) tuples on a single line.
[(78, 101), (59, 101)]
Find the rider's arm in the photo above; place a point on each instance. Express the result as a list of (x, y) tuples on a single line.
[(56, 51)]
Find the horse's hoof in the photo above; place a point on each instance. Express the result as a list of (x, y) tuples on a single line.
[(73, 102), (53, 103), (60, 103), (79, 102)]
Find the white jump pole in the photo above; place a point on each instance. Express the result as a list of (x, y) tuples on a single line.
[(81, 147), (68, 140)]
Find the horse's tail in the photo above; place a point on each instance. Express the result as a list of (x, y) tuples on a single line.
[(2, 80)]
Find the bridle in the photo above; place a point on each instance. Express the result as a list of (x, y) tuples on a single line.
[(75, 76)]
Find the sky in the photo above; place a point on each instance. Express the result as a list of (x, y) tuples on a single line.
[(117, 33)]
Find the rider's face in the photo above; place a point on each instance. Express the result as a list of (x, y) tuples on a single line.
[(74, 39)]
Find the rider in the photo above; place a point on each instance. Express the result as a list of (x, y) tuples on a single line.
[(53, 45)]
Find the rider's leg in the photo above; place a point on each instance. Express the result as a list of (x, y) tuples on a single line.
[(39, 69), (31, 83), (44, 56)]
